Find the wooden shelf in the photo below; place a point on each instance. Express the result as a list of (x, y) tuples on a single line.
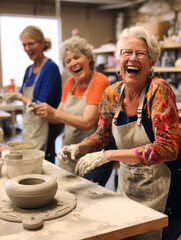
[(104, 50), (167, 69), (109, 70), (157, 69), (170, 46)]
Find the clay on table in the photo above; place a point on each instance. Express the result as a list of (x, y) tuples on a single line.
[(63, 203), (31, 190)]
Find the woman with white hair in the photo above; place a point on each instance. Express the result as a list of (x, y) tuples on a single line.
[(140, 114)]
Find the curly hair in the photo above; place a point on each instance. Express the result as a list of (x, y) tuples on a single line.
[(77, 44), (142, 33)]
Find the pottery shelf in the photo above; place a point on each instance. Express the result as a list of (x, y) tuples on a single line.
[(170, 46), (167, 69), (104, 50), (110, 51)]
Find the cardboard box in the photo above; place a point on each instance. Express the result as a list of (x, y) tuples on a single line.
[(158, 28)]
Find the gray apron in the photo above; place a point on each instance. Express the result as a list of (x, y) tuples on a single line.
[(35, 129), (148, 185), (76, 106)]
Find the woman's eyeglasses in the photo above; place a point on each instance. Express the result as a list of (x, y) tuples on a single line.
[(140, 54), (30, 44)]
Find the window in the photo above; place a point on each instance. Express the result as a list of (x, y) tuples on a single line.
[(13, 58)]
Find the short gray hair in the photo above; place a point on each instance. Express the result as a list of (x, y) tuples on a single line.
[(77, 44), (142, 33)]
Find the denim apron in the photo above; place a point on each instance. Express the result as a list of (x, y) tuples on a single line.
[(35, 129), (148, 185), (75, 105)]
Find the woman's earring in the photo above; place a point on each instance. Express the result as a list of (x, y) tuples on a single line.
[(151, 73), (118, 72)]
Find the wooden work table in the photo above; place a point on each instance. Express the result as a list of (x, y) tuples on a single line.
[(13, 108), (99, 214), (4, 115)]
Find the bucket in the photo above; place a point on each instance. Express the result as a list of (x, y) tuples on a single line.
[(30, 162)]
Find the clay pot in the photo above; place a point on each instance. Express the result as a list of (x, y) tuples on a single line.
[(31, 190), (24, 162)]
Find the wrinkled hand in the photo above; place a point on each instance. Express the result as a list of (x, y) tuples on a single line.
[(30, 106), (89, 162), (68, 152), (12, 96)]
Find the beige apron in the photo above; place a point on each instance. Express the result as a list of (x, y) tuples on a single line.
[(35, 129), (148, 185), (76, 106)]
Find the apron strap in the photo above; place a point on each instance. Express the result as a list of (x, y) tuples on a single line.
[(31, 70), (85, 93), (140, 106)]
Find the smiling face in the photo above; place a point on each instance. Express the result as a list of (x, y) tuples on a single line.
[(78, 65), (33, 48), (134, 70)]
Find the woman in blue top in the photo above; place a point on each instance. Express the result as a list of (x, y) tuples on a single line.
[(41, 83)]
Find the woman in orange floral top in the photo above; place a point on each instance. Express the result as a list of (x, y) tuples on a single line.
[(140, 114)]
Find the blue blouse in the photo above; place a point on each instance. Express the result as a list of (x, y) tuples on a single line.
[(48, 87)]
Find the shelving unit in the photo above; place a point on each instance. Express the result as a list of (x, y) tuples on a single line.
[(170, 46), (167, 69), (104, 50), (159, 70), (110, 72), (171, 73)]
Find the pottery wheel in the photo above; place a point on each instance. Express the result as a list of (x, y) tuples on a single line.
[(63, 203)]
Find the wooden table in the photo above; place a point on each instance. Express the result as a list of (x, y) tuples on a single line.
[(100, 214), (4, 115), (13, 108)]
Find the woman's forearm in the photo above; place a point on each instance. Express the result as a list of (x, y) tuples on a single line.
[(81, 122)]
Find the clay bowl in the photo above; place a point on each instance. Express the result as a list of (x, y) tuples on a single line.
[(24, 162), (31, 190), (15, 145)]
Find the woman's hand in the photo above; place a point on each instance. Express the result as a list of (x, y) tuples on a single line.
[(89, 162), (44, 110), (11, 96)]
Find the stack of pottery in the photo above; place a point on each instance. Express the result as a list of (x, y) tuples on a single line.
[(24, 162)]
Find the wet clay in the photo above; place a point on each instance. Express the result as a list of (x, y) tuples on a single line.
[(31, 190), (63, 203)]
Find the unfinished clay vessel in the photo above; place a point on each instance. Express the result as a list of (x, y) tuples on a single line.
[(31, 190), (24, 162)]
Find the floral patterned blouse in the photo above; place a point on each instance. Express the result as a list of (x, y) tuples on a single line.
[(160, 106)]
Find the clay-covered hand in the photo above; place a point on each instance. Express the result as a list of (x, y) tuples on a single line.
[(30, 106), (68, 152), (12, 96), (89, 162)]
